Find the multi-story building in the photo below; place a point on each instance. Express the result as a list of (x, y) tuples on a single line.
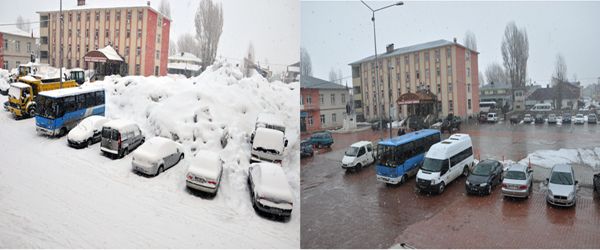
[(17, 47), (496, 92), (447, 69), (139, 33), (322, 104)]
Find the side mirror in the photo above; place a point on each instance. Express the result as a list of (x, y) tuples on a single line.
[(546, 181), (285, 143), (576, 182), (252, 138)]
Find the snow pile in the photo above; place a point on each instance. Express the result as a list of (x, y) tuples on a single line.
[(4, 76), (549, 158)]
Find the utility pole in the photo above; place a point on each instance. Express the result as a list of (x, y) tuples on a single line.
[(60, 37)]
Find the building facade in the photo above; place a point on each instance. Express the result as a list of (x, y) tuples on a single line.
[(17, 47), (569, 96), (140, 34), (448, 69), (496, 92), (322, 104), (185, 63)]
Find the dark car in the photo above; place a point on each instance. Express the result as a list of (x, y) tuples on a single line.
[(597, 183), (514, 119), (321, 139), (482, 118), (450, 123), (539, 119), (485, 175), (592, 119), (306, 149), (566, 118), (377, 124)]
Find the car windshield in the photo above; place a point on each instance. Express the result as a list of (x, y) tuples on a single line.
[(434, 165), (14, 92), (352, 151), (561, 178), (483, 169), (579, 116), (515, 175)]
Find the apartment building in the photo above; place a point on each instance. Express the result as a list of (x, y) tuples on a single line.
[(139, 34), (17, 47), (447, 69), (322, 104)]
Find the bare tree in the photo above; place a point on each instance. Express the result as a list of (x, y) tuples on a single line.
[(470, 40), (305, 62), (495, 73), (209, 26), (481, 79), (558, 80), (333, 77), (23, 24), (172, 47), (187, 43), (515, 52), (249, 61), (165, 8)]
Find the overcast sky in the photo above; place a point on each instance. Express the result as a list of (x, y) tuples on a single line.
[(271, 25), (337, 33)]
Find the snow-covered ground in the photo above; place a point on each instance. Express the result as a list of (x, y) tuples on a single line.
[(53, 196)]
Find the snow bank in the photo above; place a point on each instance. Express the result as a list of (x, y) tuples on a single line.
[(549, 158), (4, 76)]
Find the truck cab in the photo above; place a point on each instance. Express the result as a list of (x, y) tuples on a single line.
[(20, 100), (78, 75)]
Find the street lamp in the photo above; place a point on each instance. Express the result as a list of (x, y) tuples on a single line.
[(376, 58)]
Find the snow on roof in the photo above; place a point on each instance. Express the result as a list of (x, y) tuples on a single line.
[(268, 139), (316, 83), (121, 124), (19, 85), (13, 30), (185, 56), (28, 78), (110, 53), (272, 182), (360, 144), (206, 164), (107, 4), (155, 148), (184, 66), (70, 91)]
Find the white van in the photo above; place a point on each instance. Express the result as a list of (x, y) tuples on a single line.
[(542, 107), (444, 162), (359, 154)]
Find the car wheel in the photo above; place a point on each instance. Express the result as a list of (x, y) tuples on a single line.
[(32, 112), (89, 142), (441, 188), (489, 189), (181, 157), (466, 171), (63, 132), (124, 152), (159, 170), (403, 179)]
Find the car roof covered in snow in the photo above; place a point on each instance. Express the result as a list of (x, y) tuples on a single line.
[(271, 182), (562, 168), (206, 164), (270, 121), (20, 85), (121, 125), (157, 146), (269, 139), (70, 91)]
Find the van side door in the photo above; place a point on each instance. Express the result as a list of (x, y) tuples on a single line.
[(446, 172), (370, 155), (361, 156)]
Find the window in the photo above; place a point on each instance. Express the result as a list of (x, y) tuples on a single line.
[(43, 21), (310, 120), (128, 16), (158, 39), (70, 17), (156, 71), (107, 33), (405, 59), (5, 64), (469, 87), (118, 15), (5, 44), (449, 87), (321, 99), (159, 21), (417, 74), (128, 33), (78, 17), (469, 103), (333, 118), (140, 15), (139, 33), (468, 71), (138, 51), (97, 16), (449, 70), (427, 56), (87, 16), (448, 52), (450, 106), (44, 40), (309, 99), (332, 98), (157, 54), (18, 46), (322, 119), (343, 98), (96, 34), (137, 69), (44, 54)]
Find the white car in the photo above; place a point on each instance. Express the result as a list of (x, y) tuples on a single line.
[(579, 119), (204, 173), (492, 117), (528, 118), (87, 132), (360, 154), (269, 189), (562, 186), (156, 155), (267, 145)]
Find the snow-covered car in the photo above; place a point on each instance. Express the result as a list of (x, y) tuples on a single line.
[(267, 145), (119, 137), (204, 173), (87, 132), (552, 118), (156, 155), (527, 118), (359, 155), (518, 181), (269, 189), (579, 119), (562, 186)]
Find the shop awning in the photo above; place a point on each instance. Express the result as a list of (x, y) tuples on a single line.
[(106, 54)]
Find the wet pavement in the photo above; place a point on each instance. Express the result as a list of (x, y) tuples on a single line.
[(353, 210)]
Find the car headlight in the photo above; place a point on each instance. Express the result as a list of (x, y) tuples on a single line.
[(571, 195), (550, 193), (468, 183), (483, 184)]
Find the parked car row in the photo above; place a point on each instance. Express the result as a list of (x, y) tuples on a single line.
[(565, 118)]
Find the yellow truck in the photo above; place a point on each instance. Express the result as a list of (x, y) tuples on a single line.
[(21, 94)]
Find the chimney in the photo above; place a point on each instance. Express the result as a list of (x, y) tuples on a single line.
[(455, 40), (389, 48), (148, 3), (80, 2)]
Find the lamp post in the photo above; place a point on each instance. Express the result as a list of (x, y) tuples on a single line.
[(389, 68), (60, 36), (376, 58)]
